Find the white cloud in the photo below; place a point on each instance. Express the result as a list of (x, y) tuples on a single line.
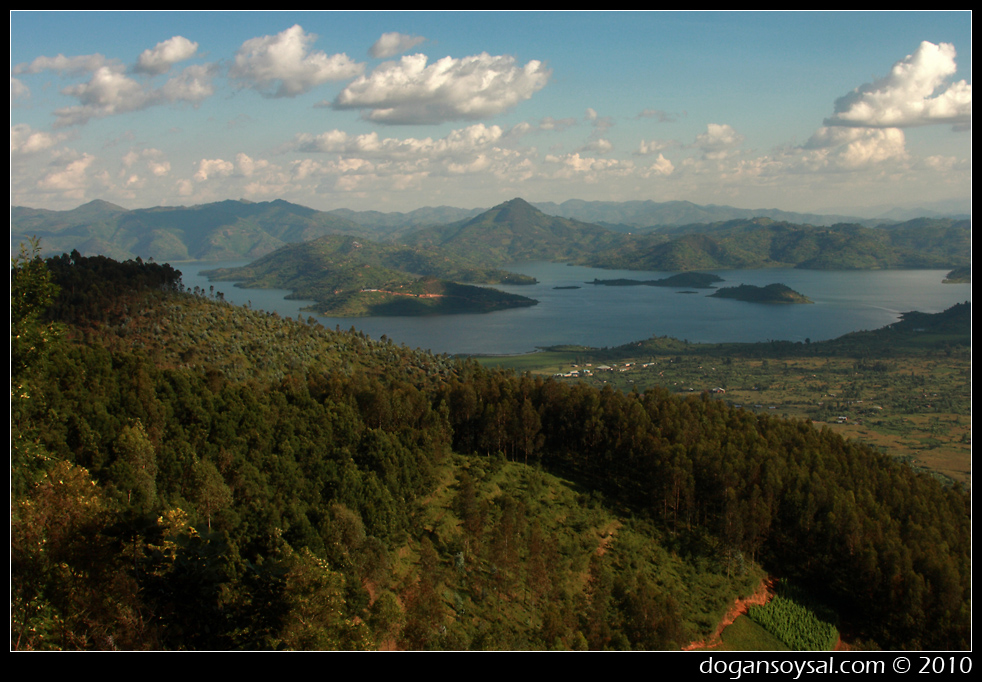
[(154, 158), (169, 52), (110, 91), (600, 145), (463, 141), (907, 96), (391, 44), (282, 65), (410, 91), (25, 140), (211, 168), (646, 147), (66, 65), (718, 139), (662, 166), (71, 180), (193, 84), (836, 148), (18, 90)]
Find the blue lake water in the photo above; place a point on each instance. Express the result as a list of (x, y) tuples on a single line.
[(844, 301)]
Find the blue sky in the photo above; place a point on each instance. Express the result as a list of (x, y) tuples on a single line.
[(809, 111)]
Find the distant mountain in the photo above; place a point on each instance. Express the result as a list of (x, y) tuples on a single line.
[(761, 242), (672, 236), (395, 223), (644, 215), (223, 230), (516, 230)]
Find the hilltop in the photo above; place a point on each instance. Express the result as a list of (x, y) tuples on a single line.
[(516, 230)]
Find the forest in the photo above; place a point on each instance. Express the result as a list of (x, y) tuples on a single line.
[(188, 474)]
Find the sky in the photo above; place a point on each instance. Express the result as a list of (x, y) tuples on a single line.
[(827, 112)]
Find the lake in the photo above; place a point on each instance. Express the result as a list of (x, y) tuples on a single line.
[(844, 301)]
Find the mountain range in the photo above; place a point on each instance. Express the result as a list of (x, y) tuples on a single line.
[(230, 230)]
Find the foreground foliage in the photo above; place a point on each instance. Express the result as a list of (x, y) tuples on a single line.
[(188, 474)]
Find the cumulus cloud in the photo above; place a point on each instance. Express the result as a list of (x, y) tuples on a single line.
[(283, 66), (167, 53), (844, 149), (211, 168), (18, 90), (110, 91), (193, 84), (155, 161), (391, 44), (409, 91), (662, 166), (718, 140), (72, 66), (70, 180), (906, 97), (25, 140)]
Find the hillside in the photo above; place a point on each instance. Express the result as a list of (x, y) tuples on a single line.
[(516, 230), (512, 231), (761, 243), (347, 277), (225, 230), (187, 474)]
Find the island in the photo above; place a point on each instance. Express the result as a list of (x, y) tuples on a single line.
[(772, 293), (698, 280), (347, 277), (961, 275)]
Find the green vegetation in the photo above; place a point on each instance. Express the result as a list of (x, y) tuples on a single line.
[(904, 389), (186, 474), (697, 280), (959, 276), (762, 243), (797, 625), (772, 293), (354, 278)]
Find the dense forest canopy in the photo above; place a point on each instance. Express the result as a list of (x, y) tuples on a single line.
[(187, 474)]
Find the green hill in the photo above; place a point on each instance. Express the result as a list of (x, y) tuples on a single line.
[(225, 230), (350, 277), (187, 474), (513, 231)]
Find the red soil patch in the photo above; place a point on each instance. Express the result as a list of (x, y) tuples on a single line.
[(763, 594)]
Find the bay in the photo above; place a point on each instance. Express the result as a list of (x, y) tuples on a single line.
[(592, 315)]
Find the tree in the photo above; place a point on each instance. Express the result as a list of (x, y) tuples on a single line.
[(32, 292)]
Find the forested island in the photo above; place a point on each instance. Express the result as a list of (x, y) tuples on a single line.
[(698, 280), (771, 293), (347, 277), (188, 474)]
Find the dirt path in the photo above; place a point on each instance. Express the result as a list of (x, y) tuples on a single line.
[(763, 594)]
